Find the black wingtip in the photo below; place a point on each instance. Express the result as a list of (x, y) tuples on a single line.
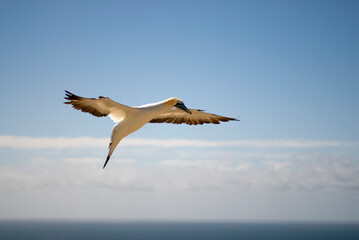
[(108, 158), (68, 95)]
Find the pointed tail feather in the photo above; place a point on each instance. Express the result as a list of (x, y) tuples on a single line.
[(108, 158)]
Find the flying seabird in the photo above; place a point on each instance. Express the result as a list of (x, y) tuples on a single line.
[(130, 119)]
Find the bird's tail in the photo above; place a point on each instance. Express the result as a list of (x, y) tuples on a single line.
[(111, 148), (108, 158), (115, 139)]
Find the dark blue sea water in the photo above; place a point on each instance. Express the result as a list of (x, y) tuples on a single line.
[(56, 230)]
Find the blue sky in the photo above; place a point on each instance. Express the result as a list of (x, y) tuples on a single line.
[(287, 69)]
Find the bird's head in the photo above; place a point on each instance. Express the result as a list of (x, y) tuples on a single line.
[(176, 102)]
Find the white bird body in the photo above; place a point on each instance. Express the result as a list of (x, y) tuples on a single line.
[(134, 119), (130, 119)]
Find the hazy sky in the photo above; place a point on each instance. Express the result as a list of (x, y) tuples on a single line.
[(287, 69)]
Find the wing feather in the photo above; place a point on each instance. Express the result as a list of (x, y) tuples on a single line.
[(99, 107), (198, 117)]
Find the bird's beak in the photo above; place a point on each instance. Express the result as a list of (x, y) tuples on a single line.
[(181, 106)]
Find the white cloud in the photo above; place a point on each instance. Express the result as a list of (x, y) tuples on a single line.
[(313, 173), (133, 188), (22, 142), (194, 177)]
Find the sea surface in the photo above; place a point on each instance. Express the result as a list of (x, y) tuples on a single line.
[(56, 230)]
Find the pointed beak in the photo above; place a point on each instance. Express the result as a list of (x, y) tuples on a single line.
[(181, 106)]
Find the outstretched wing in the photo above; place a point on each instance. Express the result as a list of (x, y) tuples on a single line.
[(200, 117), (99, 107)]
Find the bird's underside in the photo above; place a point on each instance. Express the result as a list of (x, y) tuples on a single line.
[(171, 110)]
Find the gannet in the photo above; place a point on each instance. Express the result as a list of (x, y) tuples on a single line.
[(130, 119)]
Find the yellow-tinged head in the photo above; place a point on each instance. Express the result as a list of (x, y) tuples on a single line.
[(172, 101), (176, 102)]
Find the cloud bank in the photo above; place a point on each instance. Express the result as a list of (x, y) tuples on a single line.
[(206, 178), (313, 173), (23, 142)]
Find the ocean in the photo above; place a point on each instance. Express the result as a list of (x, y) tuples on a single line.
[(63, 230)]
